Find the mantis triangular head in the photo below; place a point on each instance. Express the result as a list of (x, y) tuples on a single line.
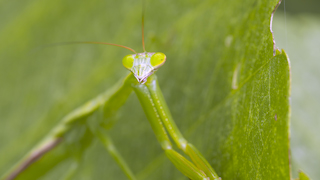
[(142, 65)]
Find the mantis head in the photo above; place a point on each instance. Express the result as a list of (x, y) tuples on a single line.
[(142, 65)]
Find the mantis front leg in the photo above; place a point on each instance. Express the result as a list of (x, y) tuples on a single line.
[(158, 113)]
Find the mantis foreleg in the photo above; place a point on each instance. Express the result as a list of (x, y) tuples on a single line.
[(185, 166), (174, 132), (158, 114)]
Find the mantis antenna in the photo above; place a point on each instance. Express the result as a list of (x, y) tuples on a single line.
[(142, 26), (89, 42), (111, 44)]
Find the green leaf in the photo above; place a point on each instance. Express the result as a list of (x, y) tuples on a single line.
[(303, 176), (227, 91), (300, 35)]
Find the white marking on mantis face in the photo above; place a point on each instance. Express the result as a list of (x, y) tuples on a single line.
[(142, 67)]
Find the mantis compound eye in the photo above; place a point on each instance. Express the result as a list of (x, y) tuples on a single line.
[(157, 59), (127, 61)]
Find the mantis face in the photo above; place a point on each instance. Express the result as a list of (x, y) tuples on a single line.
[(142, 65)]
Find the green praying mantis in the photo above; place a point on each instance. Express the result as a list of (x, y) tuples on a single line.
[(143, 82)]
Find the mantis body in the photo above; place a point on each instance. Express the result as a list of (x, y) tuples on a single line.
[(143, 82)]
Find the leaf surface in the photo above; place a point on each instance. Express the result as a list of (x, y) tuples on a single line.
[(226, 90), (301, 36)]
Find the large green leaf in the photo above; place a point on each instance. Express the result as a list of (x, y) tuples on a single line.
[(300, 35), (227, 91)]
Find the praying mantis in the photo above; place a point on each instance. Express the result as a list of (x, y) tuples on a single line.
[(143, 82)]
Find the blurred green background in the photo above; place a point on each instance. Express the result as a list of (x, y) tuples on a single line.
[(297, 30)]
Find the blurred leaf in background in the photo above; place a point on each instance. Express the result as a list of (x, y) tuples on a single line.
[(223, 84), (298, 31), (300, 7)]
